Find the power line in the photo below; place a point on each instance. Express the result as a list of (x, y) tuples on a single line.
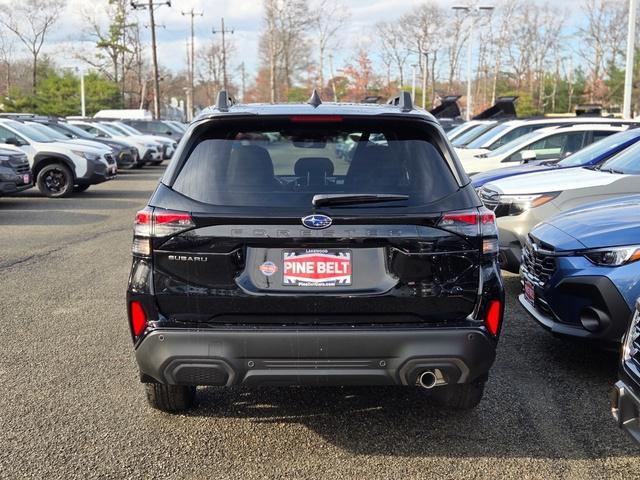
[(151, 6)]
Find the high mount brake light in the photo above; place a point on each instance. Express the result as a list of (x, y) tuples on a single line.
[(154, 223), (481, 221), (316, 118)]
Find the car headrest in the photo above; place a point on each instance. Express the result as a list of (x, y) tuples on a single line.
[(313, 169), (250, 165)]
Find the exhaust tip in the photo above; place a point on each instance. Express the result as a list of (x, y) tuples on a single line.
[(427, 379)]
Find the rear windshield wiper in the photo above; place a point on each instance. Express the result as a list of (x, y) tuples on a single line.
[(354, 198)]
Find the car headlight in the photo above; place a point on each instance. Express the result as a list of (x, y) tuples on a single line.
[(518, 204), (628, 348), (150, 145), (89, 156), (4, 160), (613, 256)]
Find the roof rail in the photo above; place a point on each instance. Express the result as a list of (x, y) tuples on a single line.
[(315, 101), (224, 101), (403, 100)]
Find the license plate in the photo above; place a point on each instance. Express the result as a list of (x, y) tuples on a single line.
[(26, 178), (317, 268), (530, 292)]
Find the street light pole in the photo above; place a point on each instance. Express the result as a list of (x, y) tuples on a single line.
[(473, 12), (631, 47), (154, 53)]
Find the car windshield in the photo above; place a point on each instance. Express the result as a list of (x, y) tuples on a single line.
[(29, 132), (48, 132), (78, 132), (598, 149), (472, 134), (245, 167), (627, 161), (127, 128), (489, 136), (514, 144), (462, 127), (111, 129)]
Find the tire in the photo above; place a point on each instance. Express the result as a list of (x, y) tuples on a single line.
[(80, 188), (155, 164), (459, 396), (170, 398), (55, 181), (128, 166), (140, 164)]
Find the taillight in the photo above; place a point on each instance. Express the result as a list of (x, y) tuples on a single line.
[(471, 223), (493, 317), (138, 318), (153, 223)]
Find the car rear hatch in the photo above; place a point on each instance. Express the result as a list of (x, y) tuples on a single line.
[(256, 231)]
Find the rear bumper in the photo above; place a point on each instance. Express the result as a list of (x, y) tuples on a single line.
[(625, 408), (313, 356)]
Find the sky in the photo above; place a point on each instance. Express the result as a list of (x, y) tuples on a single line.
[(243, 16)]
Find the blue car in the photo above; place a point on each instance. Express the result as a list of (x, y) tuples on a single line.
[(581, 271), (594, 154)]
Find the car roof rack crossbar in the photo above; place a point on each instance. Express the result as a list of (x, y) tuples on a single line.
[(403, 100), (315, 101), (224, 101)]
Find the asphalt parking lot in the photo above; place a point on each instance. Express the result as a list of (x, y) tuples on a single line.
[(71, 405)]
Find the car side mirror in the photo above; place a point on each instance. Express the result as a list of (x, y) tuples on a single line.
[(528, 156), (14, 141)]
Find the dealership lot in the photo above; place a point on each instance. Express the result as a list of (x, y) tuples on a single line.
[(71, 405)]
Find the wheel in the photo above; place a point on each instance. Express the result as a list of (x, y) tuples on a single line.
[(459, 396), (55, 181), (170, 398), (128, 166), (80, 188), (140, 164)]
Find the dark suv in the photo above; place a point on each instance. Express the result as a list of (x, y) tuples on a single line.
[(15, 174), (262, 262)]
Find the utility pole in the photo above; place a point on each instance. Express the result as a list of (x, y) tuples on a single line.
[(333, 79), (473, 12), (631, 47), (151, 6), (191, 63), (224, 53)]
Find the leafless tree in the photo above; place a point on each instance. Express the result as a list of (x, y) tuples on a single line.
[(456, 36), (505, 19), (328, 19), (394, 46), (6, 59), (30, 21)]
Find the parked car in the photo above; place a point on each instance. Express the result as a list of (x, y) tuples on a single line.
[(168, 146), (59, 168), (301, 268), (581, 271), (509, 131), (546, 144), (473, 133), (15, 173), (126, 155), (149, 151), (156, 128), (463, 127), (178, 125), (625, 397), (592, 155), (523, 201)]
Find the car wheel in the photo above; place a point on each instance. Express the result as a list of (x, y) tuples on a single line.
[(128, 166), (155, 164), (80, 188), (55, 181), (459, 396), (170, 398)]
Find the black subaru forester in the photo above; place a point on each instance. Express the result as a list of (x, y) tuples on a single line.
[(315, 244)]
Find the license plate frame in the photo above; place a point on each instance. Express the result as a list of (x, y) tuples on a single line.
[(529, 291), (26, 179), (317, 268)]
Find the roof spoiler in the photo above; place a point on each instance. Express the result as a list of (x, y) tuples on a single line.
[(505, 107), (402, 100), (224, 101), (448, 107)]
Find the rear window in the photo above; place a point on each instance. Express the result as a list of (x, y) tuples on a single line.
[(282, 163)]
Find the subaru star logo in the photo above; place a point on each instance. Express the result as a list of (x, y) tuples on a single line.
[(317, 222)]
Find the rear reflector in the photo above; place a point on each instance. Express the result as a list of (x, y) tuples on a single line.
[(494, 317), (316, 118), (138, 318)]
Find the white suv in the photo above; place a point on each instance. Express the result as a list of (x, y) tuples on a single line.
[(59, 168)]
